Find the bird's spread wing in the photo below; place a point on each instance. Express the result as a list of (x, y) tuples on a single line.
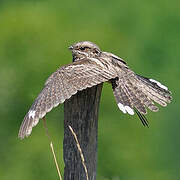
[(61, 85), (134, 92)]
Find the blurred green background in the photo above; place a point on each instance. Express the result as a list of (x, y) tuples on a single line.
[(34, 36)]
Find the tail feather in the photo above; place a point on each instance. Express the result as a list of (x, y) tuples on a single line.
[(143, 118)]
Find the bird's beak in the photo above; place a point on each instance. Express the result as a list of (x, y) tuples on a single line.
[(70, 48)]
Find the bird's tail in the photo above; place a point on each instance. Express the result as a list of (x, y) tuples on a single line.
[(136, 93)]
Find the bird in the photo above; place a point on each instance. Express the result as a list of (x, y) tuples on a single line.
[(91, 66)]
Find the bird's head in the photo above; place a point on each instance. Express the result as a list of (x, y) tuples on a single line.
[(84, 49)]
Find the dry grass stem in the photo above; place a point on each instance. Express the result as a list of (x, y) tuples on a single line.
[(80, 151), (52, 149), (55, 160)]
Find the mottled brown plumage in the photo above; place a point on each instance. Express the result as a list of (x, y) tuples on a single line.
[(91, 66)]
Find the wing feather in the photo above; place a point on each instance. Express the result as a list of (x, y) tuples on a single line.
[(61, 85), (140, 92)]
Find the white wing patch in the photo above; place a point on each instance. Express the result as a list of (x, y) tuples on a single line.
[(129, 110), (122, 107), (126, 109), (32, 114), (159, 84), (29, 131)]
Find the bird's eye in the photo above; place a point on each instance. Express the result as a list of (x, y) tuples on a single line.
[(82, 48)]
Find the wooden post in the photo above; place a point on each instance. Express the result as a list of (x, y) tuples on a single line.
[(81, 113)]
